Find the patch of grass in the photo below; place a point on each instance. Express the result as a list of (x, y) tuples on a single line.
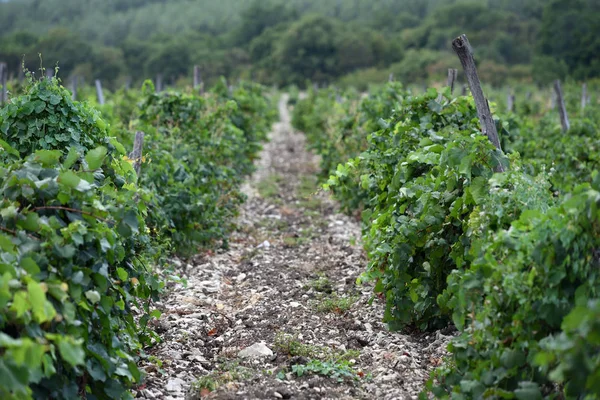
[(308, 187), (272, 223), (291, 241), (289, 344), (322, 284), (335, 303), (226, 372), (307, 191), (268, 188), (339, 370)]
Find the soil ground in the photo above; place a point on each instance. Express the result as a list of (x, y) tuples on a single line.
[(279, 314)]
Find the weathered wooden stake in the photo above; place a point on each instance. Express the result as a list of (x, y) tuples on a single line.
[(464, 90), (74, 87), (99, 92), (510, 101), (136, 154), (562, 110), (391, 77), (3, 78), (584, 96), (197, 77), (159, 83), (463, 49), (452, 74)]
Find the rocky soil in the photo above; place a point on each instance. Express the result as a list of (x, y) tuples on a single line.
[(279, 315)]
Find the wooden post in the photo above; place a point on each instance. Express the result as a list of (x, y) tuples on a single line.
[(562, 110), (159, 83), (197, 77), (99, 92), (136, 154), (452, 74), (510, 101), (391, 77), (128, 83), (584, 96), (463, 49), (464, 90), (3, 76)]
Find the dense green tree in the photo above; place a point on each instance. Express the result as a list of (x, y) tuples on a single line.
[(276, 41), (580, 48)]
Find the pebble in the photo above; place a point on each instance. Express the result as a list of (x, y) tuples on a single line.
[(256, 350)]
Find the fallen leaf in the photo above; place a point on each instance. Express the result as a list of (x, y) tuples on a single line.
[(212, 332)]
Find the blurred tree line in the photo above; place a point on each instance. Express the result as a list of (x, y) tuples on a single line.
[(288, 42)]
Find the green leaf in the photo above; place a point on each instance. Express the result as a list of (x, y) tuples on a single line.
[(69, 179), (29, 265), (71, 350), (94, 158), (13, 378), (72, 157), (122, 274), (528, 391), (93, 296), (48, 158), (42, 310), (6, 147)]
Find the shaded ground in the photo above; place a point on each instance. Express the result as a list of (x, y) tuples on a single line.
[(286, 289)]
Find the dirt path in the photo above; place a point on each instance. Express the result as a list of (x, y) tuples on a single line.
[(279, 314)]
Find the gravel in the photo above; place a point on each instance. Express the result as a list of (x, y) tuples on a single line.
[(290, 253)]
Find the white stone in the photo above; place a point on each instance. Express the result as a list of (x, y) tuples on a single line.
[(256, 350), (175, 385), (266, 244)]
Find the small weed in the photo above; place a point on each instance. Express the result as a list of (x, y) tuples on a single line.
[(226, 372), (307, 191), (339, 370), (289, 344), (290, 241), (308, 187), (335, 303), (268, 188), (352, 241), (292, 346), (321, 284)]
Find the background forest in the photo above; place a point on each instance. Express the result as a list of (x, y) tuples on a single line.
[(288, 42)]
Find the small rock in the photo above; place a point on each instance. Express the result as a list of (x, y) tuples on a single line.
[(175, 385), (277, 395), (240, 277), (294, 304), (266, 244), (256, 350)]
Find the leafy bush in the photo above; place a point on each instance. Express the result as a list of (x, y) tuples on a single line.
[(73, 256), (45, 117), (422, 176), (514, 297), (512, 258), (572, 358), (199, 149)]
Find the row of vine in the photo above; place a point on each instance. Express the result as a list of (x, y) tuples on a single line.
[(511, 259), (83, 238)]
